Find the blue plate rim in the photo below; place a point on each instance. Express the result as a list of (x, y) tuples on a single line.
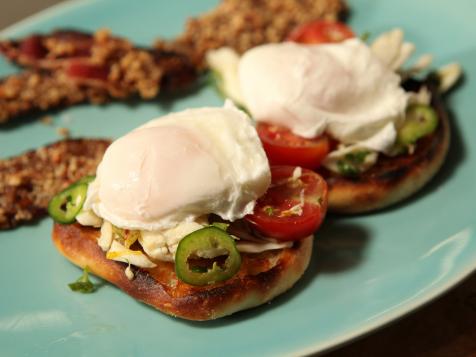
[(385, 318)]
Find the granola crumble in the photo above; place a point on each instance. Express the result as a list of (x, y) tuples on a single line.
[(248, 23), (128, 72), (30, 180)]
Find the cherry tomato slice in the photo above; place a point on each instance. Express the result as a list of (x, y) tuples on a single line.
[(293, 207), (321, 31), (285, 148)]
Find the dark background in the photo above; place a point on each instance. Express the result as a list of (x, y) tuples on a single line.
[(12, 11)]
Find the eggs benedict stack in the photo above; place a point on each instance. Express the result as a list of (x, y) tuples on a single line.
[(185, 214)]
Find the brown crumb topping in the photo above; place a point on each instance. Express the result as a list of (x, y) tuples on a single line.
[(40, 90), (248, 23), (46, 120), (64, 132), (30, 180), (77, 67)]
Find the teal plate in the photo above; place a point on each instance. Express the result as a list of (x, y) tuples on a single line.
[(366, 271)]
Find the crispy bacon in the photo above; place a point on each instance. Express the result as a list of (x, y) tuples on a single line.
[(70, 67), (28, 181), (45, 51)]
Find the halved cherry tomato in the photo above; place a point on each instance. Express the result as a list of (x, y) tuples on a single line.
[(81, 70), (321, 31), (293, 207), (285, 148)]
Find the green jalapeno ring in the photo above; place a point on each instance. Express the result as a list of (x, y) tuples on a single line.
[(86, 179), (421, 120), (65, 206), (196, 244)]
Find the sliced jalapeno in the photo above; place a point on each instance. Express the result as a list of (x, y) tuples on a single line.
[(207, 256), (421, 120), (65, 206), (87, 179)]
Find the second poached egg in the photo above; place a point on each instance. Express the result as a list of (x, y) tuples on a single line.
[(342, 89)]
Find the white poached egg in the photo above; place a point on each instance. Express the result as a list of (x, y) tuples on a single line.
[(343, 89), (179, 167)]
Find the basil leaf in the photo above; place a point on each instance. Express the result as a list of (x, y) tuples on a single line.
[(83, 284)]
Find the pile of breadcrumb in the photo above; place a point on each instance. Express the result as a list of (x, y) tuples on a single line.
[(131, 72), (248, 23), (29, 181)]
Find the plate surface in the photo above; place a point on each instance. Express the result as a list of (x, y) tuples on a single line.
[(365, 272)]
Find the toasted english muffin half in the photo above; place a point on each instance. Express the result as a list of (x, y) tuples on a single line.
[(261, 277), (393, 179)]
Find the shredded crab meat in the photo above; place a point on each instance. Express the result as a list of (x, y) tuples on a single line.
[(120, 253), (423, 96), (129, 273), (106, 236), (394, 52), (449, 76), (296, 173), (295, 210), (114, 244), (89, 218), (248, 247)]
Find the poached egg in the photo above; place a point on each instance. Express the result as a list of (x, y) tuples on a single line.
[(342, 89), (180, 167)]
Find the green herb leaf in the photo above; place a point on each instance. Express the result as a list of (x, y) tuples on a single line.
[(347, 169), (352, 162), (365, 36), (357, 157), (83, 284), (268, 210)]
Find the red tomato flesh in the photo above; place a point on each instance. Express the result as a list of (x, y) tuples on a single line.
[(321, 31), (285, 148), (292, 208)]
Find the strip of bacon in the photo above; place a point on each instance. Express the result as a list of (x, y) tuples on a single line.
[(70, 67), (45, 51), (30, 180)]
